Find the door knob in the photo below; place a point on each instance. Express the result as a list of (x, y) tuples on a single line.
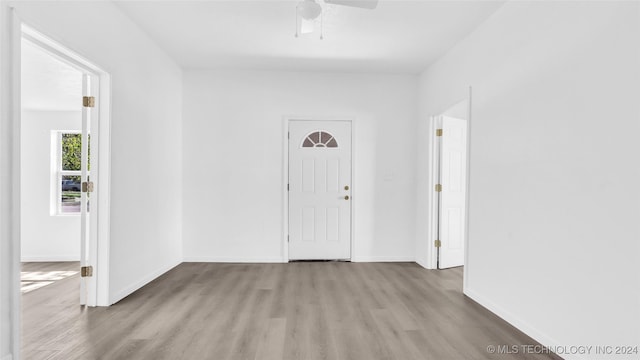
[(346, 197)]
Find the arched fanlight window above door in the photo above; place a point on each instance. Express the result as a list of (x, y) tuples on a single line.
[(320, 139)]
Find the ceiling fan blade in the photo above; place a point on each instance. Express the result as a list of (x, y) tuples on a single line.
[(364, 4)]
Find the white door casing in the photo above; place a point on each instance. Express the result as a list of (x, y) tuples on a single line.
[(319, 190), (452, 212), (95, 121)]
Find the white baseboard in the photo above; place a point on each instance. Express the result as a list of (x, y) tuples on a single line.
[(423, 263), (119, 295), (221, 259), (383, 259), (518, 323), (54, 258)]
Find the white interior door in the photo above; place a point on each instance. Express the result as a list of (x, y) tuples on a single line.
[(452, 214), (88, 203), (319, 190)]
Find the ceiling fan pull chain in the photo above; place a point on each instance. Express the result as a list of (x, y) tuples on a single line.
[(321, 26)]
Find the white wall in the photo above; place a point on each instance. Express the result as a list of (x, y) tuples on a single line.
[(9, 328), (233, 159), (553, 243), (44, 237), (146, 144)]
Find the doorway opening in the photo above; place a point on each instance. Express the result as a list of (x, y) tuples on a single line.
[(50, 147), (450, 185), (319, 190), (64, 152)]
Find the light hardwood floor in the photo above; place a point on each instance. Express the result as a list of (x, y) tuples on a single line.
[(296, 311), (35, 275)]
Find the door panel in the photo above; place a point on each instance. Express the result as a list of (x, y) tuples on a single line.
[(308, 224), (88, 199), (333, 178), (84, 198), (319, 171), (308, 175), (453, 167), (333, 224)]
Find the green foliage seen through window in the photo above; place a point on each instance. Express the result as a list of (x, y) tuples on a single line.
[(72, 152)]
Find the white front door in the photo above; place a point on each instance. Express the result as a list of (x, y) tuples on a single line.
[(319, 190), (453, 169)]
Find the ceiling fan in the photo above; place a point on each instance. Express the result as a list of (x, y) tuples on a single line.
[(309, 10)]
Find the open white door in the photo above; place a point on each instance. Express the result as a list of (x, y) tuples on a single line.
[(88, 208), (452, 209), (319, 190)]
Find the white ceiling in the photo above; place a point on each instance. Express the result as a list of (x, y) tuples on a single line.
[(398, 36), (48, 83)]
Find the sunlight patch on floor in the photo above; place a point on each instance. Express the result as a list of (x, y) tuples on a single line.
[(32, 280)]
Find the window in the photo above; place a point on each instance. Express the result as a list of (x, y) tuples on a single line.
[(67, 177), (320, 139)]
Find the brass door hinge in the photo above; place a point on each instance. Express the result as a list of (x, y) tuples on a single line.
[(437, 243), (88, 101), (438, 132), (86, 271), (438, 187), (87, 186)]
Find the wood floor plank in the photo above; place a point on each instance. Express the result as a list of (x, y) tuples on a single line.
[(271, 344), (295, 311), (394, 336)]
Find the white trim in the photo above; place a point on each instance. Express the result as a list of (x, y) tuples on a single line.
[(59, 51), (101, 250), (259, 260), (517, 322), (383, 259), (285, 190), (16, 110), (430, 261), (48, 258), (123, 293), (436, 178), (100, 224), (285, 173), (231, 259), (465, 269), (422, 263), (354, 189)]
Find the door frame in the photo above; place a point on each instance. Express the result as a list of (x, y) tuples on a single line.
[(465, 269), (99, 240), (432, 203), (286, 120), (434, 160)]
